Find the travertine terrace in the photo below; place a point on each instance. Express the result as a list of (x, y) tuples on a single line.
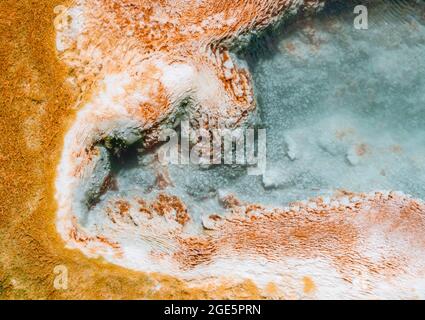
[(141, 65)]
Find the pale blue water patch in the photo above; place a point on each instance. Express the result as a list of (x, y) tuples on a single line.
[(348, 104)]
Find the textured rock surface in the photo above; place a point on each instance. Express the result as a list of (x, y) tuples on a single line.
[(139, 67), (191, 230), (159, 60)]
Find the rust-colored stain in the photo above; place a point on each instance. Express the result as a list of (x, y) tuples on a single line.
[(361, 149), (166, 203), (309, 286)]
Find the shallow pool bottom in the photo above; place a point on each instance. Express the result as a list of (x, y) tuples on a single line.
[(343, 110)]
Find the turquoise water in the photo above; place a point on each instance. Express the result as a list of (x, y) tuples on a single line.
[(350, 103)]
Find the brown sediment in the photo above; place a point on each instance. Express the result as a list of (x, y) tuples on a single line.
[(123, 207), (230, 201), (361, 149), (165, 204), (336, 232), (195, 251), (163, 179)]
